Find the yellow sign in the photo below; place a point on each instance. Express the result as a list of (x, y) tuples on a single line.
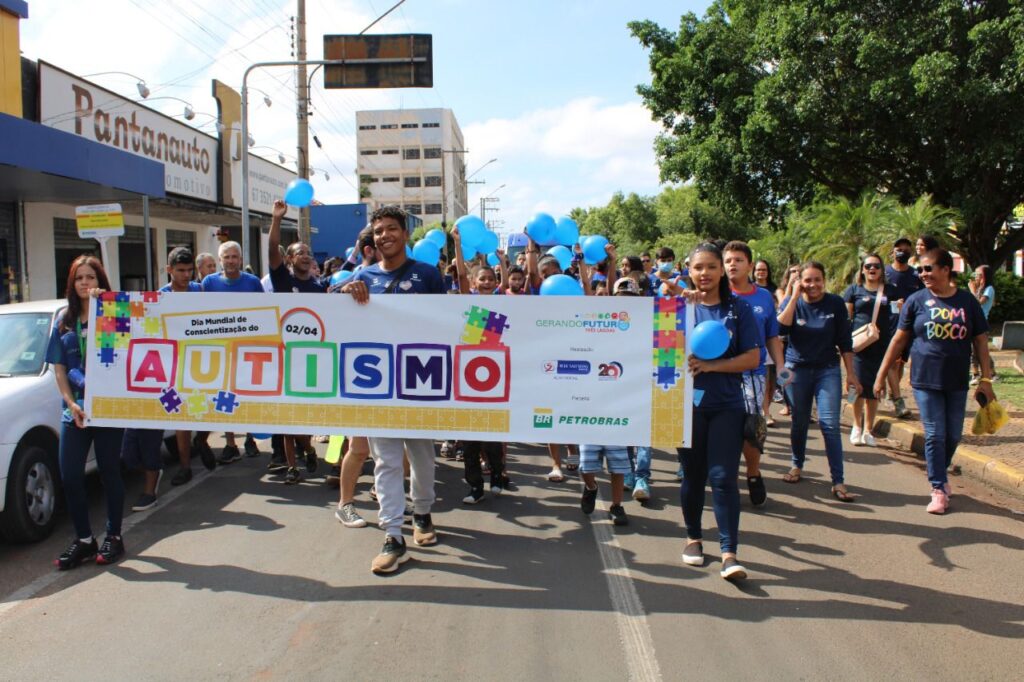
[(100, 221)]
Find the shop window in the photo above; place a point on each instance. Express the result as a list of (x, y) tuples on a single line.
[(412, 181), (432, 181)]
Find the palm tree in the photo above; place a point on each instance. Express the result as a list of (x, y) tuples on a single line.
[(842, 231), (925, 217)]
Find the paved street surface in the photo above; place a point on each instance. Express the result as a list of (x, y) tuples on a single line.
[(238, 576)]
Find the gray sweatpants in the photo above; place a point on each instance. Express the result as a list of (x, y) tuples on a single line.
[(388, 475)]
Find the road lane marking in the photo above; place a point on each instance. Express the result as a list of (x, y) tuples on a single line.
[(630, 617)]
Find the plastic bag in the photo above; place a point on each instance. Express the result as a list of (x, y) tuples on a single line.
[(989, 419)]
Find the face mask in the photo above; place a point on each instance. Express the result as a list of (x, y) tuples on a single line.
[(665, 268), (902, 257)]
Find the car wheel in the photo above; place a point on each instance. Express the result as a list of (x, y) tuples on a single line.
[(32, 491)]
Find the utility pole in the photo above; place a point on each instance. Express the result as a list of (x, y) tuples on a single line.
[(303, 111), (444, 184), (484, 206)]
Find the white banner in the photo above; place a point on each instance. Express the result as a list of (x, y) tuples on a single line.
[(521, 369), (77, 106)]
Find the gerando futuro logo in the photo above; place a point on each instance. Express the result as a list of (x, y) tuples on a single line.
[(591, 322)]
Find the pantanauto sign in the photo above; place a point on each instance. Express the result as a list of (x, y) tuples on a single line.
[(419, 366)]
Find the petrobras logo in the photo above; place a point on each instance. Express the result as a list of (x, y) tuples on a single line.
[(567, 367), (543, 417), (600, 323), (609, 371), (589, 420)]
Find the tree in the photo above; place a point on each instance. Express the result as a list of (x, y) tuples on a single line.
[(764, 103)]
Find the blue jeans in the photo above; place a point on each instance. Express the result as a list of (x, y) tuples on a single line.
[(717, 442), (942, 415), (640, 458), (825, 386), (74, 451)]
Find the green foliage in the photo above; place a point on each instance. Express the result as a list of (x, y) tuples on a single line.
[(1009, 305), (766, 104)]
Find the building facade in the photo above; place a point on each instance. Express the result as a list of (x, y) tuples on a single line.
[(413, 158)]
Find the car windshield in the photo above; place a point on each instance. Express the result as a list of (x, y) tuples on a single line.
[(23, 339)]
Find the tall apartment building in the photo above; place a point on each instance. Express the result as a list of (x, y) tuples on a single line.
[(412, 158)]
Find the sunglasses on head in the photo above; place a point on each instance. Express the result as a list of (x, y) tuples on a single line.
[(925, 268), (872, 266)]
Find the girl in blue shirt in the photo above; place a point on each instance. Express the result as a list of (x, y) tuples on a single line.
[(66, 353), (819, 331), (718, 411)]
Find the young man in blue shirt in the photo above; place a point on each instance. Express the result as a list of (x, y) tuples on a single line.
[(906, 282), (739, 264), (396, 273)]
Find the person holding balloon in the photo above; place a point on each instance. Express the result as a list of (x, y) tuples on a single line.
[(818, 325), (722, 346)]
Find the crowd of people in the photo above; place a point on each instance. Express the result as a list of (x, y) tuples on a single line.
[(790, 341)]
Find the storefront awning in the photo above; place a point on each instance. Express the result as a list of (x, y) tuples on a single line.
[(39, 163)]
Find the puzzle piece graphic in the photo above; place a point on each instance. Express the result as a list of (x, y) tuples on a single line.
[(122, 296), (667, 377), (122, 325), (170, 400), (107, 339), (150, 296), (665, 321), (489, 338), (197, 404), (472, 335), (99, 307), (137, 309), (122, 340), (225, 402), (668, 339), (497, 323), (107, 356), (107, 324), (109, 309), (108, 296), (666, 305), (124, 309), (151, 326), (477, 317)]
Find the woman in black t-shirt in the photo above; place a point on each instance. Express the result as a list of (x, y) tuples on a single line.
[(943, 323), (861, 299)]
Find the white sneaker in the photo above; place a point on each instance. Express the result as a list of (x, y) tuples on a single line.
[(867, 439), (555, 475), (855, 436)]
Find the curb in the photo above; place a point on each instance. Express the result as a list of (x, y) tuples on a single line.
[(971, 462)]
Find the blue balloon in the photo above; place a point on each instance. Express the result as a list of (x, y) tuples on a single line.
[(566, 231), (561, 285), (563, 255), (340, 277), (408, 250), (541, 228), (493, 260), (468, 252), (426, 251), (349, 251), (437, 237), (709, 340), (471, 229), (593, 249), (488, 243), (299, 193), (261, 436)]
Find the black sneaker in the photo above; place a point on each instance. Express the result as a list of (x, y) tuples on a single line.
[(144, 502), (277, 462), (111, 550), (77, 553), (618, 515), (391, 556), (229, 454), (474, 496), (182, 477), (733, 570), (693, 554), (311, 462), (251, 449), (205, 453), (758, 493), (292, 476), (423, 533), (588, 500)]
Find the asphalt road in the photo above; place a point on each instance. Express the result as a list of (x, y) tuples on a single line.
[(238, 576)]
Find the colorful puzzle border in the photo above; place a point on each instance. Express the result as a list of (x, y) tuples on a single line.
[(669, 362)]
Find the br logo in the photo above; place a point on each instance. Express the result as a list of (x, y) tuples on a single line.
[(543, 418)]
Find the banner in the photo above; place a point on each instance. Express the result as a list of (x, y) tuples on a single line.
[(100, 221), (594, 370)]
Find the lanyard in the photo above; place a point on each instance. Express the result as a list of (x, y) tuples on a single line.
[(81, 341)]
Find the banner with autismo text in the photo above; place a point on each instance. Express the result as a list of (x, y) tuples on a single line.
[(597, 370)]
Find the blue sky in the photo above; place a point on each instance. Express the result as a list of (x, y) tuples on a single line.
[(547, 88)]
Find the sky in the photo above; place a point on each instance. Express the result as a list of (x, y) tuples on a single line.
[(548, 88)]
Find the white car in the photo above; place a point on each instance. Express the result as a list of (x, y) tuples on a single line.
[(30, 406)]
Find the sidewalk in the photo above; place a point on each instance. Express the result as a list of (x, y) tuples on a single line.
[(995, 459)]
